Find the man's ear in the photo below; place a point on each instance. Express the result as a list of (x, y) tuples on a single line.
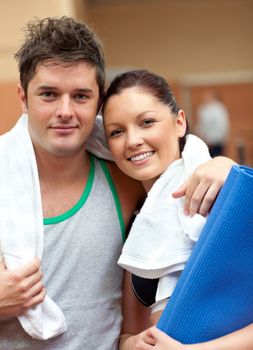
[(22, 99), (181, 123)]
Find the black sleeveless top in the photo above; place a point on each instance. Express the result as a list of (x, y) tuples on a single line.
[(145, 289)]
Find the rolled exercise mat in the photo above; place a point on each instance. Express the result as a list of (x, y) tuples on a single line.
[(214, 295)]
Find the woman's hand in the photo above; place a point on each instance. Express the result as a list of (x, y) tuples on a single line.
[(150, 339), (154, 339)]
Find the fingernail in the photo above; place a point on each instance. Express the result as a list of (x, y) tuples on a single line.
[(186, 212)]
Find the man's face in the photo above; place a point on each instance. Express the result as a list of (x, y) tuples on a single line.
[(61, 102)]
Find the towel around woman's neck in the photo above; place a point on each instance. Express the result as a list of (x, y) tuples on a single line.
[(162, 236)]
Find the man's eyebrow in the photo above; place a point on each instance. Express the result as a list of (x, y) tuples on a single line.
[(85, 90), (46, 87), (51, 87)]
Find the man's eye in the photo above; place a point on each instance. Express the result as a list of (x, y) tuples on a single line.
[(48, 94), (80, 97), (147, 122)]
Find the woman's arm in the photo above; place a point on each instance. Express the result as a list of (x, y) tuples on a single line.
[(135, 317), (239, 340)]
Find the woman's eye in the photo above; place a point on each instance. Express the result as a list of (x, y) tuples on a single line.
[(115, 133), (147, 122)]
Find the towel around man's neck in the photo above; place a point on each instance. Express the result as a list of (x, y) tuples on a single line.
[(21, 223)]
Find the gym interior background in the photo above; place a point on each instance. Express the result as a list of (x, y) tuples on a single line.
[(195, 44)]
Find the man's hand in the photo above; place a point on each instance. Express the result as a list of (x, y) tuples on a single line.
[(203, 186), (20, 288)]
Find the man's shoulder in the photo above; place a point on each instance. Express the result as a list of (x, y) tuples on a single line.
[(124, 182)]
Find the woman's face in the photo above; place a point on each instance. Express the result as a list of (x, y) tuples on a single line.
[(142, 134)]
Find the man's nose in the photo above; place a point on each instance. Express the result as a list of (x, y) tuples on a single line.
[(64, 110)]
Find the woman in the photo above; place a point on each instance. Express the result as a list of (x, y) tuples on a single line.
[(146, 133), (147, 138)]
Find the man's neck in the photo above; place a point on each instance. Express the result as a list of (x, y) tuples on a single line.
[(62, 181), (55, 169)]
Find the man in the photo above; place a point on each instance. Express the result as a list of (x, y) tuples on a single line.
[(86, 203), (213, 123)]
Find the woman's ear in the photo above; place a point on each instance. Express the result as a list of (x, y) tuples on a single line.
[(22, 99), (181, 123)]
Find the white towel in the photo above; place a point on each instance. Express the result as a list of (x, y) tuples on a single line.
[(21, 223), (162, 237), (96, 143)]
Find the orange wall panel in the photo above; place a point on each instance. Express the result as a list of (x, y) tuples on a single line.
[(10, 106)]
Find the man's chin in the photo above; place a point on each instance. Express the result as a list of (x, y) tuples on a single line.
[(67, 151)]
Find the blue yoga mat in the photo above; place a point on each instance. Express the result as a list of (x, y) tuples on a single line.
[(214, 295)]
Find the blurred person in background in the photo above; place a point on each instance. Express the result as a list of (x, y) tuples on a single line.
[(213, 123)]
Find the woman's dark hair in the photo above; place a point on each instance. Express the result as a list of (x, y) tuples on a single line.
[(60, 40), (150, 82)]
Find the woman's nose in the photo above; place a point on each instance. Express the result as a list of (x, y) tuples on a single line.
[(134, 139)]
